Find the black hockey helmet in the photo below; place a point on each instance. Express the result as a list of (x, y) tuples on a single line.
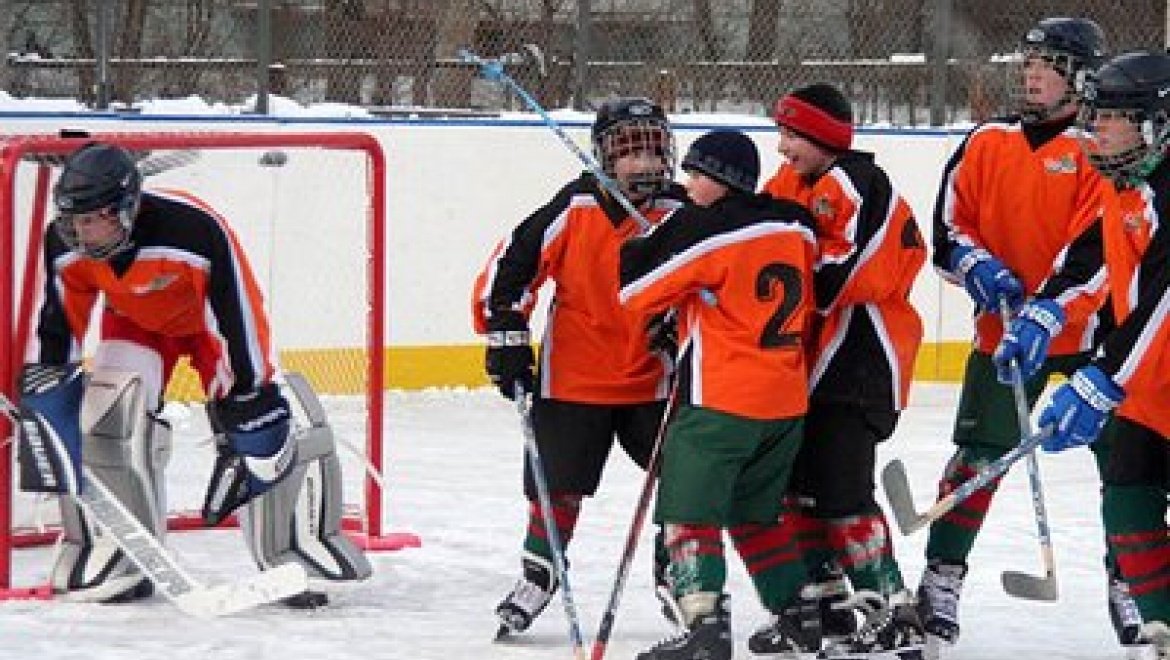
[(632, 125), (1075, 47), (97, 177), (1134, 86), (1079, 38)]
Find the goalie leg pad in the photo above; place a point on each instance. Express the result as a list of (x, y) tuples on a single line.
[(128, 449), (299, 519)]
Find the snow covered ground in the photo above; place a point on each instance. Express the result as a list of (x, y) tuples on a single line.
[(454, 465)]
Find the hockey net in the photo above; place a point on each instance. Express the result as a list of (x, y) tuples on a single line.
[(309, 209)]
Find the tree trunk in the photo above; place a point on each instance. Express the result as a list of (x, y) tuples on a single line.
[(763, 24), (456, 21)]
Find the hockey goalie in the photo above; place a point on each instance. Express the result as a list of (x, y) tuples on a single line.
[(173, 281)]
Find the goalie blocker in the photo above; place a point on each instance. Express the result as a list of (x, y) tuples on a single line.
[(297, 520)]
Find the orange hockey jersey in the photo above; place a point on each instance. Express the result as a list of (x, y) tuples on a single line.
[(592, 350), (745, 353), (867, 334), (1137, 251), (1028, 195), (185, 275)]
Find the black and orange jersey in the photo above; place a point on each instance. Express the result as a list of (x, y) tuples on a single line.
[(739, 275), (1028, 195), (592, 350), (1137, 251), (184, 274), (866, 336)]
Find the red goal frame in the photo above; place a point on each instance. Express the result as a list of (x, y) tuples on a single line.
[(367, 529)]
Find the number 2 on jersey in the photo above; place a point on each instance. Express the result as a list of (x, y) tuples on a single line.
[(788, 280)]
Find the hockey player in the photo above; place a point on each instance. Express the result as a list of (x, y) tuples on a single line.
[(861, 357), (598, 377), (1127, 122), (742, 395), (1018, 209), (174, 282)]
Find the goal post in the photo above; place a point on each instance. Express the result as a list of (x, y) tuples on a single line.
[(310, 211)]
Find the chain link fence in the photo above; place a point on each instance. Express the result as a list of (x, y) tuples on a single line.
[(904, 62)]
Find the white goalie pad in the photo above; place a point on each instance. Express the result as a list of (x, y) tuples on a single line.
[(299, 519), (127, 447)]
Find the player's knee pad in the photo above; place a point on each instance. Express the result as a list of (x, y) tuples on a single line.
[(127, 447), (299, 519)]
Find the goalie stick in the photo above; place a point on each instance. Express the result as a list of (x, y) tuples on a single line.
[(1017, 583), (162, 568), (897, 485)]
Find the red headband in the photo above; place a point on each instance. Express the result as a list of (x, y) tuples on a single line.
[(809, 120)]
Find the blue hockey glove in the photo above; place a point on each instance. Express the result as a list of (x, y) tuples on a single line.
[(1079, 409), (986, 279), (1027, 339), (509, 358), (49, 433), (255, 449)]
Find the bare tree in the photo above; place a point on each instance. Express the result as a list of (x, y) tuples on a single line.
[(763, 24)]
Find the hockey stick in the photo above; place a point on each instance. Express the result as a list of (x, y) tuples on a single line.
[(1016, 583), (161, 567), (897, 485), (605, 630), (524, 407), (151, 164), (494, 70)]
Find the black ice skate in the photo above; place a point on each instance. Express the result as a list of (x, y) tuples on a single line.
[(891, 630), (831, 591), (707, 638), (795, 629), (528, 598), (938, 601)]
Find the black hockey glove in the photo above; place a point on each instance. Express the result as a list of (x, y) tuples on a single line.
[(509, 358), (662, 334)]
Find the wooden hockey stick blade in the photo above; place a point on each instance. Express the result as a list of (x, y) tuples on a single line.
[(1030, 587), (897, 487)]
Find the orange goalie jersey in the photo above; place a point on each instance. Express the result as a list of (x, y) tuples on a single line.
[(866, 336), (185, 278)]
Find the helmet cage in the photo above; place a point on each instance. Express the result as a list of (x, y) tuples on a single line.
[(1070, 67), (65, 225), (1128, 166), (645, 136)]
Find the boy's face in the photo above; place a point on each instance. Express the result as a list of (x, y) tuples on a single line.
[(808, 157), (96, 230), (702, 189)]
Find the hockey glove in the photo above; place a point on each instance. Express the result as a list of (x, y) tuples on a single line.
[(509, 358), (986, 279), (255, 449), (662, 334), (1027, 339), (1079, 409), (49, 434)]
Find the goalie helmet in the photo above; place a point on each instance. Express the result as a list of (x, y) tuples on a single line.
[(1126, 116), (631, 126), (97, 178), (1073, 47)]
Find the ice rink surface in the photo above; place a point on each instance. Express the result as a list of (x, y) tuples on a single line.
[(454, 465)]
